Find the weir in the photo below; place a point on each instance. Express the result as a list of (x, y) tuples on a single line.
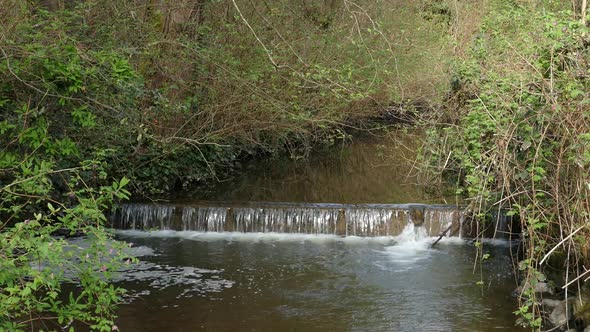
[(307, 218)]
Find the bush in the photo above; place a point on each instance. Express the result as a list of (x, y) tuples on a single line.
[(519, 139)]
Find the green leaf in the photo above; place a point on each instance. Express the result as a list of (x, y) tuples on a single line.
[(26, 291), (5, 127), (83, 117), (511, 213), (124, 181), (576, 93)]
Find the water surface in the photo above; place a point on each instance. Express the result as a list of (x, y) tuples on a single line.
[(379, 168), (192, 281)]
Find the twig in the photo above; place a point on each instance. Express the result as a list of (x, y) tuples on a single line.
[(576, 279), (561, 242), (441, 235), (39, 175), (255, 35)]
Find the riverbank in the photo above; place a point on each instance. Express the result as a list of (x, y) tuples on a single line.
[(170, 108), (515, 137), (100, 100)]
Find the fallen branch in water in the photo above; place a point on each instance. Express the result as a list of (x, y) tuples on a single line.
[(441, 235)]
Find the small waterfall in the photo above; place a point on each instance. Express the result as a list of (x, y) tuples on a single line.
[(335, 219), (412, 234), (372, 222), (203, 219), (437, 221), (498, 226), (145, 216), (288, 219), (411, 245)]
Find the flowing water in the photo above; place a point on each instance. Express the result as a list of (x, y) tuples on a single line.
[(199, 281), (281, 217), (251, 262)]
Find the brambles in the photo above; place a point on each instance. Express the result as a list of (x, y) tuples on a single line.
[(518, 139), (38, 201)]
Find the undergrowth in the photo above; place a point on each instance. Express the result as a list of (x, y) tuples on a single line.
[(516, 137)]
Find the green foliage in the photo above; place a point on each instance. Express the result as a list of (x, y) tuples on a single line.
[(186, 91), (36, 264), (39, 200), (53, 183), (527, 313), (438, 11), (518, 138)]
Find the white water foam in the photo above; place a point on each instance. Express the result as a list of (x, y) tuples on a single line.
[(254, 236), (192, 281), (414, 245), (410, 246)]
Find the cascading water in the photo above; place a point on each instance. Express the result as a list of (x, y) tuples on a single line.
[(410, 246), (145, 216), (334, 219), (412, 234)]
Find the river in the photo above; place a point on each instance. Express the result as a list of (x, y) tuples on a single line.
[(261, 279)]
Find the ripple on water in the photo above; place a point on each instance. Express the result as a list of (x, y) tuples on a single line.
[(309, 282), (187, 281)]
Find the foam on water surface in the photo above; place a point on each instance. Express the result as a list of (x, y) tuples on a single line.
[(253, 237)]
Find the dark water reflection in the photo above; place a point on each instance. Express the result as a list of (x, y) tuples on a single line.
[(272, 282), (375, 169)]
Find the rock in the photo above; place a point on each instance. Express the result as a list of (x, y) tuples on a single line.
[(554, 268), (68, 234), (417, 214), (583, 306), (578, 309), (517, 292), (341, 223), (550, 304), (540, 288), (561, 313), (544, 287), (558, 316)]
